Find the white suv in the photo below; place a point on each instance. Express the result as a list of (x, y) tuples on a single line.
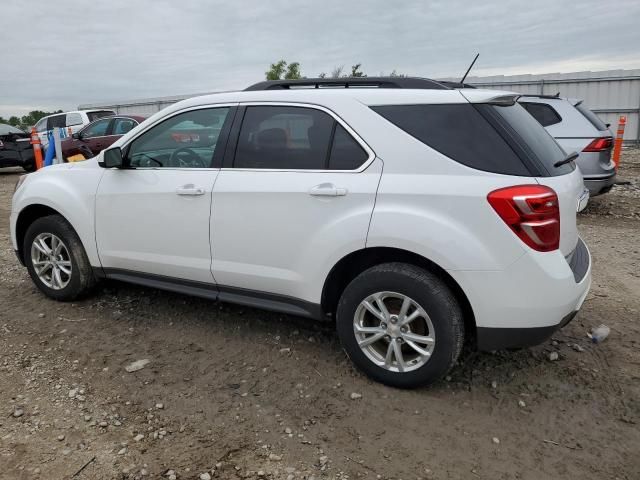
[(416, 217)]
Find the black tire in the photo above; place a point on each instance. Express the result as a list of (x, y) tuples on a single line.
[(436, 299), (81, 280), (29, 167)]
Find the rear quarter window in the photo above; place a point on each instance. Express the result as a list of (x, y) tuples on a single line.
[(545, 114), (460, 132)]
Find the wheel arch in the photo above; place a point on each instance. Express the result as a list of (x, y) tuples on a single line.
[(350, 266), (27, 216)]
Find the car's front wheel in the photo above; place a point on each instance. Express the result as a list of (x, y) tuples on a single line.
[(56, 259), (400, 324)]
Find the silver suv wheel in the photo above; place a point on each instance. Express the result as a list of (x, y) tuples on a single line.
[(51, 261), (394, 331)]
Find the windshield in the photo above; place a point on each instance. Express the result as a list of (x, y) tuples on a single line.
[(532, 138), (7, 129)]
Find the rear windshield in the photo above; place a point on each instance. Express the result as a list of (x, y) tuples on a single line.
[(528, 137), (96, 115), (592, 117), (460, 132)]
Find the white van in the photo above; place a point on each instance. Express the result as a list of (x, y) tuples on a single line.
[(73, 121)]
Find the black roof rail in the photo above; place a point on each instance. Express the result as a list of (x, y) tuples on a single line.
[(347, 82)]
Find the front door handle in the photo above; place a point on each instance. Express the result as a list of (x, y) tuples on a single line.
[(189, 189), (327, 190)]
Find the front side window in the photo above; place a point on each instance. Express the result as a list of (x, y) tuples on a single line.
[(41, 126), (97, 129), (186, 140), (74, 119), (295, 138), (544, 114), (123, 125)]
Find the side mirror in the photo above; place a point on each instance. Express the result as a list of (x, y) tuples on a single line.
[(112, 158), (77, 136)]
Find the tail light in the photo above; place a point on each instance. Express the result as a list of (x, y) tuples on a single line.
[(532, 213), (599, 145)]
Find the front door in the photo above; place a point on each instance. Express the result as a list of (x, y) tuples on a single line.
[(297, 196), (153, 217)]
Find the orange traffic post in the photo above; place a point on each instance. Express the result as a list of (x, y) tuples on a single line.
[(37, 148), (617, 147)]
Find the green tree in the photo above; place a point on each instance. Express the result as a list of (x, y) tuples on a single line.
[(276, 70), (293, 71), (356, 72)]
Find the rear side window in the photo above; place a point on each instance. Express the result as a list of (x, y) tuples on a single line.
[(460, 132), (123, 125), (529, 138), (592, 117), (295, 138), (545, 114)]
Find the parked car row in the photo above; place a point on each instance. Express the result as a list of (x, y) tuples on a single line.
[(93, 131)]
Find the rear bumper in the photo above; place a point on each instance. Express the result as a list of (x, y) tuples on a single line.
[(599, 184), (524, 304), (489, 339)]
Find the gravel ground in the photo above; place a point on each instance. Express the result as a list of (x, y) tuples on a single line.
[(231, 392)]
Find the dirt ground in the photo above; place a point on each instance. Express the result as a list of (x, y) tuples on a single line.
[(231, 392)]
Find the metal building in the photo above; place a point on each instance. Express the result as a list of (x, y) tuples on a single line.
[(610, 94), (144, 106)]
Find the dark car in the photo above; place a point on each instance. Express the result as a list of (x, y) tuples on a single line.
[(15, 148), (97, 136)]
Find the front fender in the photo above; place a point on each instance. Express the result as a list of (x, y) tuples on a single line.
[(70, 190)]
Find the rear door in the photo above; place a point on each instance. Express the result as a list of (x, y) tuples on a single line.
[(296, 196)]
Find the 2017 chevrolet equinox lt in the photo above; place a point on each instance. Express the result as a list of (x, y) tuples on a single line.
[(415, 215)]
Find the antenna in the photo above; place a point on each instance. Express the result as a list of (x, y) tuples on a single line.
[(469, 69)]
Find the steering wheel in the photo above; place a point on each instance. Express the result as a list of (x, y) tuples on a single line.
[(192, 159)]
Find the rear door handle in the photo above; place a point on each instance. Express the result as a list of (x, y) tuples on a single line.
[(190, 189), (327, 190)]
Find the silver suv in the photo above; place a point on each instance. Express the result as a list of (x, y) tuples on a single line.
[(577, 129)]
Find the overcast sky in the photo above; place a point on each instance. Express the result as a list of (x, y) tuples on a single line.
[(59, 54)]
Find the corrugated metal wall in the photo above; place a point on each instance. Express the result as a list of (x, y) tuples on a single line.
[(609, 94), (145, 107)]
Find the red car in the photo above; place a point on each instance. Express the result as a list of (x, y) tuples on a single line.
[(97, 136)]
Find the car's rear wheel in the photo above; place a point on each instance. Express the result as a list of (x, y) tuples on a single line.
[(56, 259), (401, 325)]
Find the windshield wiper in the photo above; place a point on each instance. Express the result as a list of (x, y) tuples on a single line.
[(568, 159)]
